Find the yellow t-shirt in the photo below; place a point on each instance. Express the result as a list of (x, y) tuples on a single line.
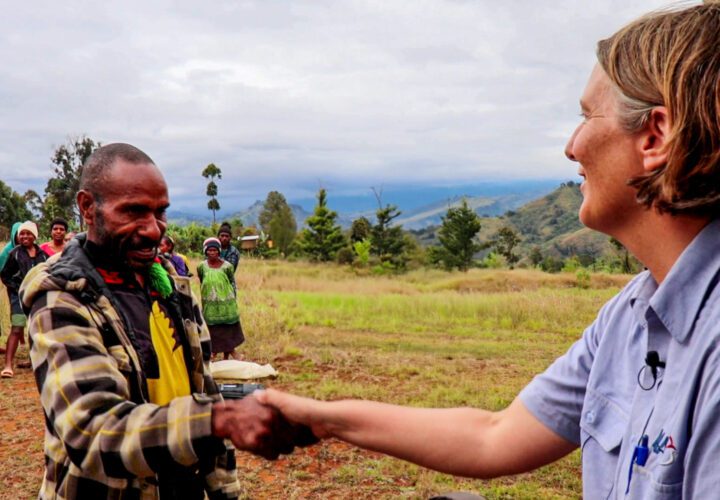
[(173, 380)]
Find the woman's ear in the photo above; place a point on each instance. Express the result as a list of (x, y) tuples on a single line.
[(655, 137)]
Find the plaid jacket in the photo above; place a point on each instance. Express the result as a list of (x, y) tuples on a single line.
[(103, 439)]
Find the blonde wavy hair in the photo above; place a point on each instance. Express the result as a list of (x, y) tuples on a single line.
[(671, 58)]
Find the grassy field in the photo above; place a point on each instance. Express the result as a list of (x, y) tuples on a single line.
[(427, 338)]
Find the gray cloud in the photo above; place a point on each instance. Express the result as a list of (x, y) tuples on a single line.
[(290, 95)]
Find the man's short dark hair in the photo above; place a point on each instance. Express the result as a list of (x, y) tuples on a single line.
[(59, 221), (97, 167), (225, 228)]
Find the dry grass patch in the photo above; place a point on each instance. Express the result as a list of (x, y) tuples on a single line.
[(426, 338), (523, 280)]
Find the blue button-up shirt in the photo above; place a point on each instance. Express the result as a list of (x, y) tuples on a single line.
[(602, 396)]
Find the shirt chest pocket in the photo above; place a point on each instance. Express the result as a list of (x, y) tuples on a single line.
[(602, 427), (602, 421)]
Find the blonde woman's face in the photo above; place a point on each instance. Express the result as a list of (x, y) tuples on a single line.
[(607, 156)]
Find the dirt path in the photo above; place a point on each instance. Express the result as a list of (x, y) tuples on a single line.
[(328, 471), (21, 437)]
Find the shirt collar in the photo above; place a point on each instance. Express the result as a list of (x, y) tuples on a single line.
[(645, 288), (680, 297), (112, 270)]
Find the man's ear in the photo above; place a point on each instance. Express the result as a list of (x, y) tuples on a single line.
[(86, 204), (655, 138)]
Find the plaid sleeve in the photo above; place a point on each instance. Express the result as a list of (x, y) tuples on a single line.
[(85, 395), (233, 257)]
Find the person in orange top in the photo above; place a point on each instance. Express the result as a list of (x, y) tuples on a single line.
[(58, 229)]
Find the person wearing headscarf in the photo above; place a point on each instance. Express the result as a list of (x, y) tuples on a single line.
[(21, 259), (167, 248), (219, 301), (10, 244)]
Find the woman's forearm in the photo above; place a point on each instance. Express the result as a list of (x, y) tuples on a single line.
[(461, 441)]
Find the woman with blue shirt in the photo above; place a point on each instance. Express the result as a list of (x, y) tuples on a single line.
[(640, 390)]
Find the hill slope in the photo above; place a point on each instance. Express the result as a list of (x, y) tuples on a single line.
[(431, 215), (420, 208), (550, 223)]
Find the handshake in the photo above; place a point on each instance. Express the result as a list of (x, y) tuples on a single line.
[(249, 420)]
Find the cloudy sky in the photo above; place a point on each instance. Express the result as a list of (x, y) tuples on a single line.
[(293, 95)]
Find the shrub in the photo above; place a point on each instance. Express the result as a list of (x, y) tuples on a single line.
[(362, 250), (572, 264), (345, 256), (583, 278), (551, 264), (493, 261)]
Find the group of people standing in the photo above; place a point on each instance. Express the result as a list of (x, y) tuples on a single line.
[(218, 289), (216, 274), (20, 255), (119, 348)]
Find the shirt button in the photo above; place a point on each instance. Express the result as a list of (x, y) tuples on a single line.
[(590, 417)]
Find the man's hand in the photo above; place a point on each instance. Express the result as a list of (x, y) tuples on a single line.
[(304, 412), (257, 428)]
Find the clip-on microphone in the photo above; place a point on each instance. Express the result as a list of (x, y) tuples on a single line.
[(652, 359)]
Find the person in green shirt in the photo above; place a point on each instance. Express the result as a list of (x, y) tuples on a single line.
[(219, 301)]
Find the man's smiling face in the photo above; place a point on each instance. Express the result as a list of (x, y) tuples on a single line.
[(129, 219)]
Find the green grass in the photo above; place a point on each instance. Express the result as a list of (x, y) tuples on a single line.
[(465, 315), (426, 338)]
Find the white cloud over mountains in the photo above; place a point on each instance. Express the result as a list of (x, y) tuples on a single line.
[(290, 95)]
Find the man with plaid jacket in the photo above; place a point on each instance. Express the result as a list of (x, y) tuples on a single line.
[(120, 351)]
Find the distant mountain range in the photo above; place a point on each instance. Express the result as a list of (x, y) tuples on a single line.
[(485, 206), (548, 220), (498, 200)]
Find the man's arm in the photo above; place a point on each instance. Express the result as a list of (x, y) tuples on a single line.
[(87, 400), (461, 441)]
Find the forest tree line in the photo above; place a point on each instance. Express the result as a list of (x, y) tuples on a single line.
[(378, 245)]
